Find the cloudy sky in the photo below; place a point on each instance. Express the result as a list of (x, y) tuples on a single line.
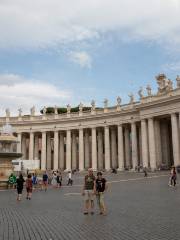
[(59, 52)]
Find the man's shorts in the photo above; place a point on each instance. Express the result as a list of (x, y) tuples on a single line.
[(89, 195), (100, 198)]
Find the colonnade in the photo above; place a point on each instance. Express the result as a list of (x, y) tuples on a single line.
[(120, 146)]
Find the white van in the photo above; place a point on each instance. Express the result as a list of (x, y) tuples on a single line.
[(24, 165)]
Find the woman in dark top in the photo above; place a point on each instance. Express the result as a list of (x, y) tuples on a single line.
[(20, 183)]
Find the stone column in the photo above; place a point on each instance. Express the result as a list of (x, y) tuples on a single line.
[(68, 150), (144, 141), (36, 147), (107, 148), (43, 151), (56, 150), (165, 150), (175, 139), (100, 150), (158, 142), (81, 150), (87, 150), (19, 138), (94, 149), (134, 145), (152, 146), (61, 150), (74, 151), (49, 158), (31, 146), (24, 147), (140, 146), (113, 148), (120, 148), (127, 147)]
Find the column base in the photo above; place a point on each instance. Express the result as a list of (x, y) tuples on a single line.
[(120, 169)]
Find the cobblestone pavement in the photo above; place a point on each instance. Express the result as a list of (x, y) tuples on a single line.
[(138, 208)]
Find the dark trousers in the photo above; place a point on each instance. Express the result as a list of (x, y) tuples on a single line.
[(70, 182), (173, 180)]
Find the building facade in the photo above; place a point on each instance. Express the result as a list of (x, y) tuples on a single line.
[(144, 133)]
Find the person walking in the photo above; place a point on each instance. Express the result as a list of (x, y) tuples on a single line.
[(29, 186), (45, 181), (54, 180), (173, 177), (34, 180), (89, 191), (101, 187), (20, 184), (70, 181), (59, 179)]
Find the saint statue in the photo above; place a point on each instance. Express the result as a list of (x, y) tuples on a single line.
[(44, 110), (32, 111), (68, 109), (20, 112), (131, 98), (148, 88), (119, 101), (7, 112), (140, 92), (178, 81), (105, 103)]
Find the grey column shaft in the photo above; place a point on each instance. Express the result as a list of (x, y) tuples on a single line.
[(19, 144), (152, 146), (134, 145), (175, 139), (74, 151), (113, 148), (24, 147), (100, 150), (68, 150), (36, 147), (81, 150), (127, 147), (144, 143), (120, 148), (87, 149), (107, 148), (61, 151), (43, 151), (94, 149), (56, 150), (165, 151), (49, 154), (31, 146), (158, 142)]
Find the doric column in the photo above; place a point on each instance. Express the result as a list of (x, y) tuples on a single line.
[(43, 151), (56, 150), (24, 147), (152, 146), (49, 154), (127, 147), (94, 149), (61, 150), (36, 147), (81, 150), (144, 141), (74, 151), (165, 150), (175, 139), (113, 148), (158, 142), (100, 150), (86, 149), (31, 146), (19, 138), (120, 148), (107, 148), (68, 150), (134, 145)]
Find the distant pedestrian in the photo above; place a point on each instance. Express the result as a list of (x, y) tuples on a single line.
[(70, 181), (20, 184), (54, 179), (59, 179), (34, 180), (45, 181), (89, 189), (101, 187), (173, 177), (12, 181), (29, 186), (145, 172)]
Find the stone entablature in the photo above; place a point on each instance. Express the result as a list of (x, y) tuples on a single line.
[(121, 136)]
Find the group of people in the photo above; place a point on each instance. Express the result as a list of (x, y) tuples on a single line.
[(94, 186)]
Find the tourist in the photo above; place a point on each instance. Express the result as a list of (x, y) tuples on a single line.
[(20, 183), (101, 186), (12, 181), (145, 171), (59, 179), (45, 181), (54, 179), (173, 177), (89, 191), (70, 181), (29, 187), (34, 180)]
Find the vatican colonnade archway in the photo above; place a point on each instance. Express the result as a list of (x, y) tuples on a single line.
[(144, 133)]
